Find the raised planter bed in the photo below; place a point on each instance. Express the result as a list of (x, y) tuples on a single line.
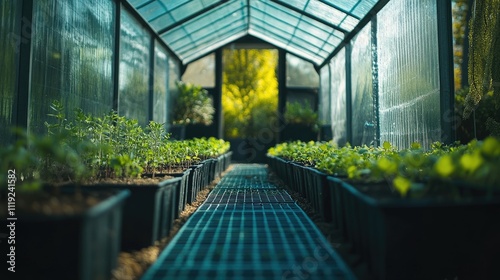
[(422, 239), (70, 246)]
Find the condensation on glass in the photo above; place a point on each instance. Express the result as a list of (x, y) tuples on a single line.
[(300, 73), (201, 72), (408, 63), (135, 42), (324, 109), (160, 90), (338, 98), (9, 49), (363, 121), (72, 51)]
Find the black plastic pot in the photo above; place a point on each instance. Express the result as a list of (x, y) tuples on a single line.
[(181, 191), (227, 160), (195, 181), (321, 192), (147, 215), (80, 246), (424, 239)]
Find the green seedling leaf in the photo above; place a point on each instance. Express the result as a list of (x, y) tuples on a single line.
[(471, 162), (402, 185), (444, 166), (386, 145)]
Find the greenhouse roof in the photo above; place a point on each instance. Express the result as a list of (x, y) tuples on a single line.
[(310, 29)]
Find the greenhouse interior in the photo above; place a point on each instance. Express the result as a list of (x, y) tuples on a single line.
[(250, 139)]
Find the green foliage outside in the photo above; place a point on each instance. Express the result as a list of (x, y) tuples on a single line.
[(193, 105), (299, 113), (249, 91), (481, 98)]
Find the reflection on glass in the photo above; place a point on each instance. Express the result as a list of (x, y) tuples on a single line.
[(201, 72), (300, 73), (133, 98), (160, 84), (324, 95), (338, 98), (173, 92)]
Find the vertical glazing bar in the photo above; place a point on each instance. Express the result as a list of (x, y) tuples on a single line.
[(20, 111), (348, 92), (375, 88), (281, 90), (218, 93), (151, 81), (116, 55), (446, 77)]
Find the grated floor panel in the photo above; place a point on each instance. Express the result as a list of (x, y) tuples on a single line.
[(248, 233)]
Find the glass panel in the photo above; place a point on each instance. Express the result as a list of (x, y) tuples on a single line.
[(9, 48), (363, 122), (72, 58), (135, 42), (160, 84), (300, 73), (357, 8), (409, 73), (283, 43), (173, 76), (325, 12), (338, 98), (226, 21), (201, 72), (324, 109)]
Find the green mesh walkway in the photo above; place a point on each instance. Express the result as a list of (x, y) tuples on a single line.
[(248, 229)]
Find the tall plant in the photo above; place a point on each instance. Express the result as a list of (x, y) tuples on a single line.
[(484, 57)]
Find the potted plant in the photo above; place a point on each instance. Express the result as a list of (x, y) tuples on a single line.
[(60, 233), (193, 106), (301, 122)]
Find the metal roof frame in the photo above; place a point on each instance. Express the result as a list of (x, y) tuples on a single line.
[(313, 30)]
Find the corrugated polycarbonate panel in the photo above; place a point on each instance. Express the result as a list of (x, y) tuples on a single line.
[(9, 48), (408, 62), (338, 98), (203, 34), (72, 58), (325, 12), (363, 123)]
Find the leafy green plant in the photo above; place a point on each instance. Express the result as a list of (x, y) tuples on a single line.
[(410, 172), (193, 105), (299, 113)]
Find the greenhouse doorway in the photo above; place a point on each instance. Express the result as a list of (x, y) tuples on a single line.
[(250, 101)]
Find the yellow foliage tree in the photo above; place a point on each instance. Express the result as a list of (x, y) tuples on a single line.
[(249, 91)]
